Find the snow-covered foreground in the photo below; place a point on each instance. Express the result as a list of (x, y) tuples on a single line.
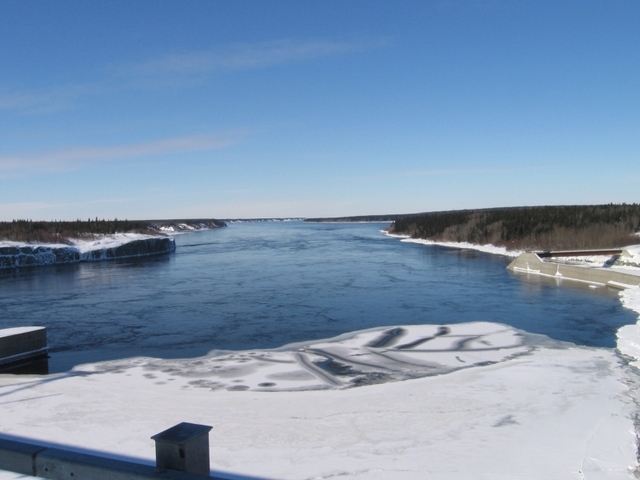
[(477, 400), (510, 406)]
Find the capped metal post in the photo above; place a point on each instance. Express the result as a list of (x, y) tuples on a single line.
[(183, 447)]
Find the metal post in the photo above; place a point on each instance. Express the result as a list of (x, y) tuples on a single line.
[(183, 447)]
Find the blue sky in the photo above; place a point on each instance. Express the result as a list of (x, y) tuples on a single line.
[(225, 109)]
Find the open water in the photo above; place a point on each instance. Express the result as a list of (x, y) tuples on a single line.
[(267, 284)]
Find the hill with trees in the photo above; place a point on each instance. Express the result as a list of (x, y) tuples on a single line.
[(544, 228), (62, 231)]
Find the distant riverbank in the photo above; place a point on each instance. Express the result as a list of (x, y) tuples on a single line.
[(25, 243)]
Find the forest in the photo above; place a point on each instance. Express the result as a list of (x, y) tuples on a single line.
[(530, 228)]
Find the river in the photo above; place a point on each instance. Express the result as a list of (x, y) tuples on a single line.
[(261, 285)]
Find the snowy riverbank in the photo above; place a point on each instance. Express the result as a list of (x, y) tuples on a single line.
[(103, 247), (461, 245)]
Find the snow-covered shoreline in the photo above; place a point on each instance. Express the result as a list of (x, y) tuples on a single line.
[(460, 245), (103, 247)]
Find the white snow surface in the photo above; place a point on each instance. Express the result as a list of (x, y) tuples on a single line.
[(629, 335), (461, 245), (586, 260), (107, 241), (634, 258), (623, 262), (361, 358), (533, 412), (8, 332), (85, 245)]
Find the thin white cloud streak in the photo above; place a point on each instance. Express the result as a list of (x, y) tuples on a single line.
[(181, 70), (252, 56), (79, 157), (44, 101)]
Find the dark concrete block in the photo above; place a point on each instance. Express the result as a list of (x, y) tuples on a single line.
[(18, 456)]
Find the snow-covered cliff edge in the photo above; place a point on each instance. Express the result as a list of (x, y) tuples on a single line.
[(16, 254)]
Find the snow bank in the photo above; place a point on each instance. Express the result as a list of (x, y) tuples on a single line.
[(630, 257), (629, 335), (108, 241), (176, 228), (556, 412), (122, 245), (462, 245), (587, 260)]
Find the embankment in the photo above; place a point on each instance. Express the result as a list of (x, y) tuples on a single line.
[(532, 263), (23, 255)]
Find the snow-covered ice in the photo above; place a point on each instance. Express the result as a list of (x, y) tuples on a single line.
[(364, 358), (629, 335), (517, 409)]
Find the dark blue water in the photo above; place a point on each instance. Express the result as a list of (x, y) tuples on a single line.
[(264, 285)]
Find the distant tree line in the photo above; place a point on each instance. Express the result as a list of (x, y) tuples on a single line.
[(358, 218), (61, 232), (547, 227)]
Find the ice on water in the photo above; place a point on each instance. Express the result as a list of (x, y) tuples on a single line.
[(475, 400), (364, 358)]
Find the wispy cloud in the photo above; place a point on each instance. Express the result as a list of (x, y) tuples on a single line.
[(80, 157), (180, 70), (252, 56), (44, 101)]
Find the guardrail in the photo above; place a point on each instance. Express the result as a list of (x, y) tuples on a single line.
[(576, 253), (182, 453)]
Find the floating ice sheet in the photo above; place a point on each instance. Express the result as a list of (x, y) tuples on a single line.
[(365, 358)]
